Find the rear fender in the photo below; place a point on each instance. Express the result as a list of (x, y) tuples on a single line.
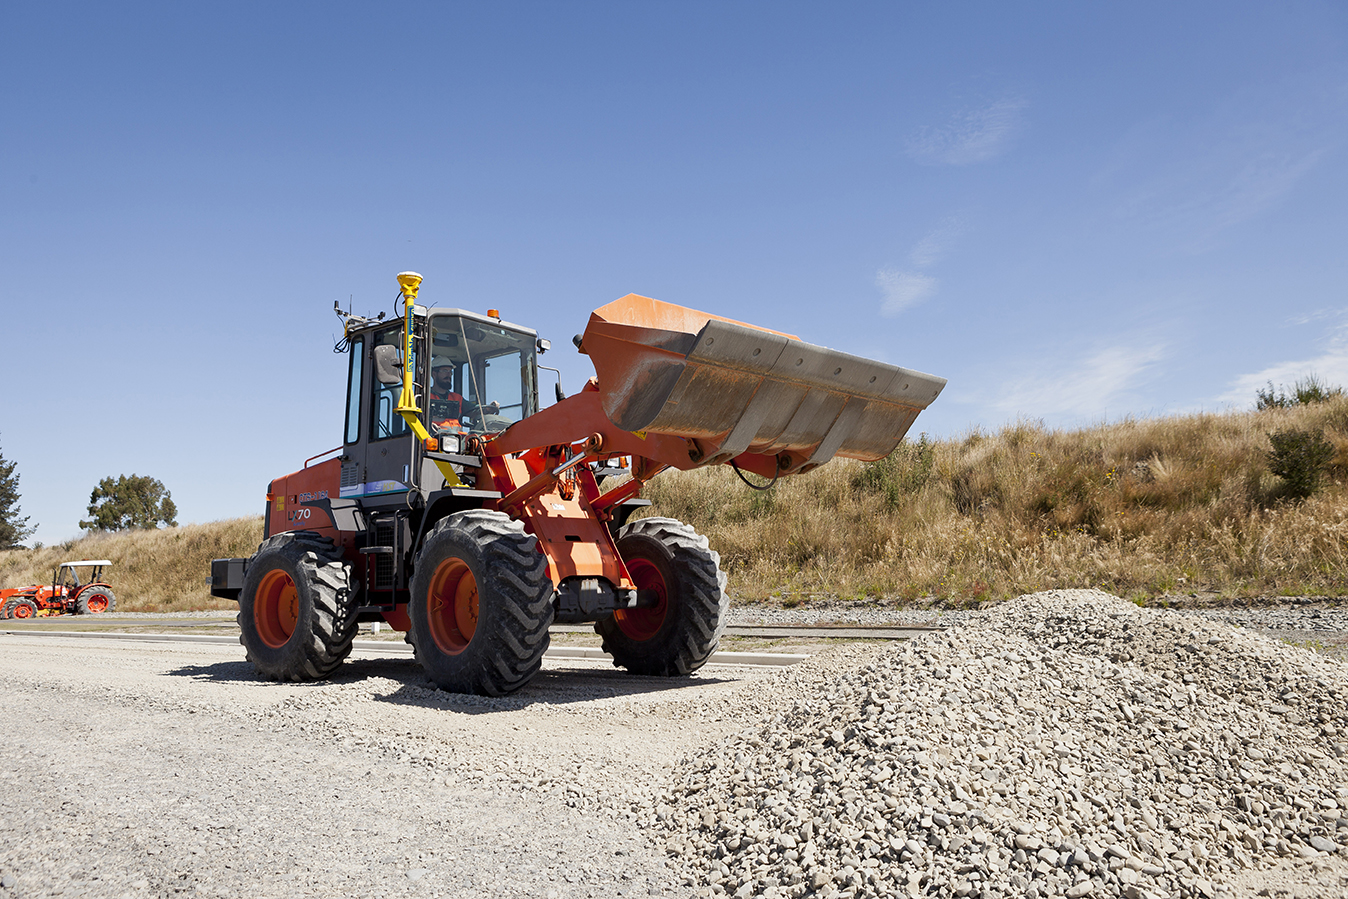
[(301, 501)]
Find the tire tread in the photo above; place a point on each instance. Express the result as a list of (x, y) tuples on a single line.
[(334, 628), (513, 653), (699, 628)]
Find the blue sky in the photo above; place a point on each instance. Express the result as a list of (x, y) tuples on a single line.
[(1074, 212)]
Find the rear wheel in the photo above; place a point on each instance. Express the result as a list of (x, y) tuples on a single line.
[(95, 600), (481, 604), (295, 608), (679, 633), (23, 608)]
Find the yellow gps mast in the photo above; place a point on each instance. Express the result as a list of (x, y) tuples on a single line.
[(407, 402)]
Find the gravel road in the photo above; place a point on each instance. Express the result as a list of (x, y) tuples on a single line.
[(158, 769), (1063, 744)]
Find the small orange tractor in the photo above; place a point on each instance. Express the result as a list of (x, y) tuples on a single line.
[(459, 511), (65, 596)]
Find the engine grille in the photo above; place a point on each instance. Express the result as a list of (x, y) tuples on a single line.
[(385, 534)]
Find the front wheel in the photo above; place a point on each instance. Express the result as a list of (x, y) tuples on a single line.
[(24, 609), (295, 608), (481, 604), (95, 600), (679, 633)]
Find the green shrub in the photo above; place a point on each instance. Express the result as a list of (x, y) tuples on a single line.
[(904, 471), (1272, 399), (1305, 392), (1300, 459), (1312, 390)]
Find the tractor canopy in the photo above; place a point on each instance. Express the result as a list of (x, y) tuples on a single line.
[(97, 564)]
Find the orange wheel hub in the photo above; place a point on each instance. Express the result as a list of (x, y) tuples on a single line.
[(23, 610), (97, 603), (643, 624), (452, 605), (276, 608)]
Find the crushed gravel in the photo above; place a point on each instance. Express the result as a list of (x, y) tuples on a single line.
[(1061, 744)]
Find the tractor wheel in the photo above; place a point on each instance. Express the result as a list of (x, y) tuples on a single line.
[(295, 608), (481, 604), (95, 600), (678, 635), (24, 608), (7, 608)]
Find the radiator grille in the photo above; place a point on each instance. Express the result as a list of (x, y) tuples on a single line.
[(350, 474), (385, 534)]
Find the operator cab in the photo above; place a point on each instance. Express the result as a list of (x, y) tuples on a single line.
[(473, 374)]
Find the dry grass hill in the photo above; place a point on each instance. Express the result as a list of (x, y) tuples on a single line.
[(152, 571), (1139, 508)]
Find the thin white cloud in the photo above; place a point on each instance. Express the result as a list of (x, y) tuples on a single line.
[(1219, 200), (1318, 315), (902, 289), (970, 136), (1330, 366), (1188, 181), (1084, 387), (1260, 184), (905, 287), (929, 250)]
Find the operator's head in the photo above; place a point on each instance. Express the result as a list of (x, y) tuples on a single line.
[(442, 369)]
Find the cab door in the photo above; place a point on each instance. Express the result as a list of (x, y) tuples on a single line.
[(388, 444)]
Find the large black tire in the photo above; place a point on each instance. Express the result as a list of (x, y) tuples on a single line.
[(678, 636), (481, 604), (95, 600), (296, 608), (7, 607), (23, 609)]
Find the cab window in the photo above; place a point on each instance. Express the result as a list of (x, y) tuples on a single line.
[(353, 391), (384, 421), (481, 376)]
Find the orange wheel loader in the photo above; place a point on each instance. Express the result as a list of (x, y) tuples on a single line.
[(458, 511)]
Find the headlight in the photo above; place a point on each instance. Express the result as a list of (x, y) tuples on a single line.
[(449, 443)]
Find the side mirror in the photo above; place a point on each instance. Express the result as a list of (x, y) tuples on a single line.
[(388, 365), (560, 395)]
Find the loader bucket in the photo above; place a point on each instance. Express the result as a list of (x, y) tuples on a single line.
[(735, 388)]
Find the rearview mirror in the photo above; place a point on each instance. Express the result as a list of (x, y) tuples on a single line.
[(388, 365)]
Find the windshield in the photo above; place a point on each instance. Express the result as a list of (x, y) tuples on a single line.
[(482, 376)]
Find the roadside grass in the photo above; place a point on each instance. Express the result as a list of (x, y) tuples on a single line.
[(152, 570), (1141, 508)]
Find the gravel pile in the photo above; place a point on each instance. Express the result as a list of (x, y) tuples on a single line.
[(1062, 744)]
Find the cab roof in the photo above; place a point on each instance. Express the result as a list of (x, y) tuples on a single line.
[(423, 311)]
